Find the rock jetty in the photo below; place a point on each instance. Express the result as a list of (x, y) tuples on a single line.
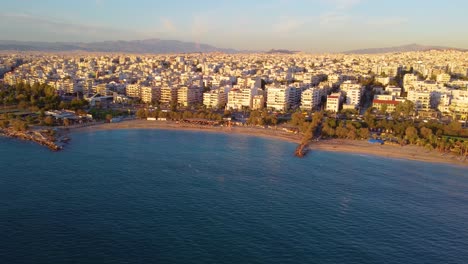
[(301, 150), (42, 137)]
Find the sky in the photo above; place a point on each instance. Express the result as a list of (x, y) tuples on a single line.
[(306, 25)]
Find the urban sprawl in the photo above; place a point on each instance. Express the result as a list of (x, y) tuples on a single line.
[(435, 81), (414, 97)]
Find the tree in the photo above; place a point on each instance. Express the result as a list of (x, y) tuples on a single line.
[(49, 121), (426, 132), (20, 125), (364, 133), (66, 122), (141, 113), (328, 130), (369, 118), (453, 129), (383, 109), (405, 108), (411, 134), (351, 134), (4, 123), (341, 131), (108, 118), (297, 119)]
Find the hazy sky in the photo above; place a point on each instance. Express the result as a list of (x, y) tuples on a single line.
[(308, 25)]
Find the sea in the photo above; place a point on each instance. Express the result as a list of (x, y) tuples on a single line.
[(161, 196)]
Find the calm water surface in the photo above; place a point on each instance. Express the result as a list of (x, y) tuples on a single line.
[(151, 196)]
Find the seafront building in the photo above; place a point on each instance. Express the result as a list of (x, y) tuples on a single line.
[(240, 98), (334, 101), (433, 80), (310, 99), (279, 98), (189, 95), (150, 94), (168, 95), (216, 98)]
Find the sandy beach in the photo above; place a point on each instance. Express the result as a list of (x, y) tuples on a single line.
[(333, 145)]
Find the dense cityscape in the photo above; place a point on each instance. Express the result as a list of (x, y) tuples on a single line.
[(415, 97), (268, 131)]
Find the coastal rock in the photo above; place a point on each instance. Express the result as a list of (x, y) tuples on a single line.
[(35, 136), (301, 150)]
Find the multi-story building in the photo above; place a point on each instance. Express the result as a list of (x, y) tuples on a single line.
[(334, 101), (295, 93), (239, 98), (459, 104), (133, 90), (350, 85), (421, 99), (383, 80), (150, 94), (353, 96), (385, 102), (189, 95), (408, 81), (310, 99), (258, 102), (443, 78), (393, 90), (168, 95), (278, 98), (216, 98)]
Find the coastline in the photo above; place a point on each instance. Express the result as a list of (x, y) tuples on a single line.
[(408, 152), (39, 136), (172, 125)]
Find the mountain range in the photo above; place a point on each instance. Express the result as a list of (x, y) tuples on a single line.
[(133, 46), (404, 48), (158, 46)]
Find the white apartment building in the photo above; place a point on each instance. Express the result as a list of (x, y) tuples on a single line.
[(279, 98), (310, 98), (443, 101), (383, 80), (443, 78), (421, 99), (215, 98), (133, 90), (393, 90), (295, 94), (239, 98), (408, 81), (459, 103), (189, 95), (350, 85), (150, 94), (353, 96), (101, 89), (258, 102), (334, 79), (168, 94), (333, 102)]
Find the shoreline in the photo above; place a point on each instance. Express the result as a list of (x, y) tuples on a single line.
[(37, 136), (172, 125), (409, 152)]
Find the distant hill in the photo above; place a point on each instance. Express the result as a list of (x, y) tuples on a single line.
[(135, 46), (404, 48), (282, 51)]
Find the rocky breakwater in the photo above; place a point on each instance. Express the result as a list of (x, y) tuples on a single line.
[(42, 137), (301, 150)]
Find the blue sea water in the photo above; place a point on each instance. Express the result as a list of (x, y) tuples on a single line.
[(154, 196)]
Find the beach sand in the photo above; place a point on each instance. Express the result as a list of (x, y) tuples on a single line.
[(333, 145)]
